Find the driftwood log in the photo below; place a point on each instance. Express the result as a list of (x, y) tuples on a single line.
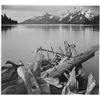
[(51, 51), (9, 71), (69, 64), (32, 81), (16, 86), (81, 76)]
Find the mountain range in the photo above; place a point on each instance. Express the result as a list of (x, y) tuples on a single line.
[(77, 17)]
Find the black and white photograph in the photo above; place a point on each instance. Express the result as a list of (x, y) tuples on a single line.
[(50, 50)]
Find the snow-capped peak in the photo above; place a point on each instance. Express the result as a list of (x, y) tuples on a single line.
[(51, 17), (88, 14)]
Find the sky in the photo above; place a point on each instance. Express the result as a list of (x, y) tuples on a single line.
[(21, 13)]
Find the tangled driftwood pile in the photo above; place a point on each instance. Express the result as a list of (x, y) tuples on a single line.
[(62, 74)]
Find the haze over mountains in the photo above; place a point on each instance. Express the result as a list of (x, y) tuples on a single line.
[(77, 17)]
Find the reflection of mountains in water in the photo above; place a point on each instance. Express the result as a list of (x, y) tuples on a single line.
[(6, 28), (95, 27), (43, 27), (65, 27)]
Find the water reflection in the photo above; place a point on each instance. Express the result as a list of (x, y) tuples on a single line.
[(43, 27), (6, 28), (48, 28), (94, 27), (81, 27)]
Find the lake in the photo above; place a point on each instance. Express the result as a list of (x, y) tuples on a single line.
[(20, 41)]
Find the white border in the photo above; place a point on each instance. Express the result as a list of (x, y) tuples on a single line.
[(48, 2)]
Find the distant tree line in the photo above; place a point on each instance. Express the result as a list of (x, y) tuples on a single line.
[(6, 20)]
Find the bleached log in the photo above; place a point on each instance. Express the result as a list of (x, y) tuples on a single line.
[(47, 54), (9, 83), (69, 64), (67, 49), (72, 82), (73, 50), (91, 84), (80, 73), (51, 51), (61, 51), (29, 80), (53, 81), (15, 88), (71, 85), (9, 71), (9, 74)]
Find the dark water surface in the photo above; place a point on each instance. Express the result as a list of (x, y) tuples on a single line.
[(19, 41)]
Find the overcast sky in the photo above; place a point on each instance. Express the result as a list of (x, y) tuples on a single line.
[(21, 13)]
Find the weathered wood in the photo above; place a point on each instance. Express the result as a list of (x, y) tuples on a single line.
[(80, 73), (10, 83), (15, 88), (91, 84), (51, 51), (71, 86), (47, 54), (14, 64), (90, 87), (72, 82), (26, 83), (29, 80), (67, 49), (53, 81), (43, 85), (73, 50), (69, 64), (61, 51), (9, 72), (81, 77)]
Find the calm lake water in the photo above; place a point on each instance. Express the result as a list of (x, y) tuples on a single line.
[(19, 41)]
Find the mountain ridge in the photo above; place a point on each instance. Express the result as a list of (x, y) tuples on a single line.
[(78, 17)]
